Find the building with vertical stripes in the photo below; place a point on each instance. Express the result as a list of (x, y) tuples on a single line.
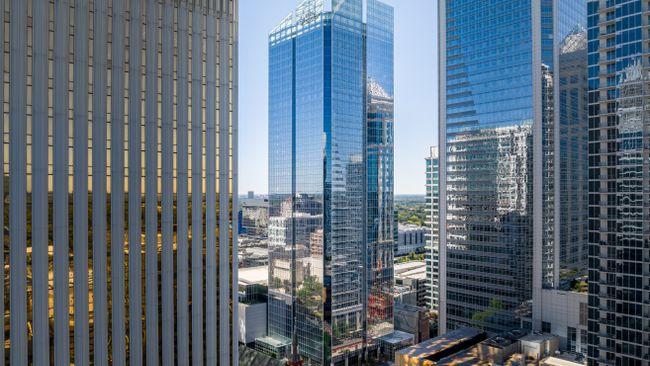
[(119, 133)]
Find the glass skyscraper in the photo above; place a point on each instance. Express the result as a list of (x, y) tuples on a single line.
[(619, 183), (331, 179), (511, 102), (119, 148)]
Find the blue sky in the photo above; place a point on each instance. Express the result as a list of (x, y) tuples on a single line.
[(416, 91)]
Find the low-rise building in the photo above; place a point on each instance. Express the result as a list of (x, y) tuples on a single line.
[(276, 347), (436, 350), (253, 289), (536, 346), (393, 342), (498, 349), (411, 277), (472, 347), (254, 216), (564, 313), (412, 319), (410, 239), (253, 251)]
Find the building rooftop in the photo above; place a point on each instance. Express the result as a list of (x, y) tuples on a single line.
[(249, 356), (407, 307), (397, 337), (431, 347), (254, 275), (416, 270), (505, 339), (564, 359), (415, 274), (399, 268), (537, 337), (254, 202), (273, 342), (410, 227)]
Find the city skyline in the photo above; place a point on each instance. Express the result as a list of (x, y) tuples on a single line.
[(167, 199)]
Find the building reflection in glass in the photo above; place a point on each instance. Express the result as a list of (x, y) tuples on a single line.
[(513, 134), (330, 178)]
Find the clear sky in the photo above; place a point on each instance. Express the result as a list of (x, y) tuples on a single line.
[(416, 91)]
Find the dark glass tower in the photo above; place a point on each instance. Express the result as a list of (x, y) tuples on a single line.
[(619, 183), (331, 178), (511, 105)]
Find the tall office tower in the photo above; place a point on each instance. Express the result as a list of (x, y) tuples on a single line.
[(119, 164), (432, 255), (331, 179), (511, 106), (619, 185)]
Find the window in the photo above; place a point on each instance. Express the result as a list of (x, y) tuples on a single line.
[(571, 338)]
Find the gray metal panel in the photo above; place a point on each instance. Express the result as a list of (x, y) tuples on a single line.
[(211, 199), (183, 333), (118, 331), (151, 187), (60, 219), (234, 193), (135, 197), (167, 216), (40, 240), (80, 183), (18, 183), (224, 245), (100, 301), (197, 195)]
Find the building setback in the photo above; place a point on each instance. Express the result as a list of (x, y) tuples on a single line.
[(119, 165), (619, 185), (512, 137), (331, 179)]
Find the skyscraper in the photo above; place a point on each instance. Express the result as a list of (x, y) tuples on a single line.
[(331, 179), (432, 256), (511, 105), (619, 185), (119, 174)]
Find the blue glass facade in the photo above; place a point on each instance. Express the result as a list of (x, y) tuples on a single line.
[(619, 184), (503, 100), (489, 118), (330, 96), (380, 182)]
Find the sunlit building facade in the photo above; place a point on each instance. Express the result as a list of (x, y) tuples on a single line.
[(119, 162), (619, 185), (331, 179), (432, 254), (512, 107)]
